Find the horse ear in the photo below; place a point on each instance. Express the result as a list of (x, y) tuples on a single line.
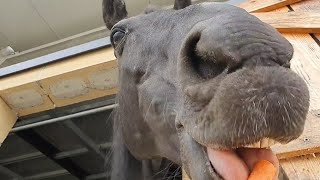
[(180, 4), (113, 12)]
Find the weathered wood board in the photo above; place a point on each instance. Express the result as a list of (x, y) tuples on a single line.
[(265, 5), (76, 79), (292, 22), (306, 62), (7, 120), (303, 167), (308, 143), (308, 6)]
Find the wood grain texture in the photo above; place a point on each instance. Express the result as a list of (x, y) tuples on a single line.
[(292, 22), (302, 168), (45, 104), (82, 75), (308, 6), (306, 63), (7, 119), (265, 5), (185, 175), (29, 92), (61, 67), (308, 143)]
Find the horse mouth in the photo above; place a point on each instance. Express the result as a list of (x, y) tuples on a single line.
[(237, 163)]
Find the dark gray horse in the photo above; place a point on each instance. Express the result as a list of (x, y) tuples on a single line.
[(207, 87)]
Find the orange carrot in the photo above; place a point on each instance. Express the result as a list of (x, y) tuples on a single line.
[(263, 170)]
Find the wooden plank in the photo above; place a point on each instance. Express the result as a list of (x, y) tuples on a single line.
[(306, 63), (55, 69), (302, 168), (308, 6), (7, 119), (59, 84), (27, 99), (308, 143), (294, 22), (185, 175), (265, 5), (82, 85)]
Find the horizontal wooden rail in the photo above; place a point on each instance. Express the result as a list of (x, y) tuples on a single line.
[(292, 22), (265, 5)]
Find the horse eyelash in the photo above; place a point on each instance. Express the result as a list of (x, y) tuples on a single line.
[(122, 40)]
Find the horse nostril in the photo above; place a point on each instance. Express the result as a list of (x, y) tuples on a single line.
[(203, 62), (232, 69), (287, 65), (179, 127), (207, 66)]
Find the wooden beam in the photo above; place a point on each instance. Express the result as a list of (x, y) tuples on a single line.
[(185, 175), (7, 119), (27, 99), (292, 22), (265, 5), (76, 79), (55, 69)]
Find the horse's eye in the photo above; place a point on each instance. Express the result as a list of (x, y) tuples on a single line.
[(117, 36)]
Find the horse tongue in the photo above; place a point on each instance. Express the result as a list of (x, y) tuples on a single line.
[(227, 164), (230, 166)]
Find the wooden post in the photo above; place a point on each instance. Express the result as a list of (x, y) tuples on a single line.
[(7, 119), (185, 175)]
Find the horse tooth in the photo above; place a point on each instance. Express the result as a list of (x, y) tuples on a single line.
[(264, 143), (257, 144), (254, 145), (271, 142), (249, 146)]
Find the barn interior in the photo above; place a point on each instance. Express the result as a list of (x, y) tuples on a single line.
[(58, 83)]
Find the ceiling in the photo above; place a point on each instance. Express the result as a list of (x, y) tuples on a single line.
[(29, 23), (25, 24)]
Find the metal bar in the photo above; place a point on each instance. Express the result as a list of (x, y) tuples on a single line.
[(60, 155), (63, 118), (49, 150), (86, 140), (20, 158), (71, 109), (45, 175), (10, 173), (77, 152), (97, 176), (62, 172), (56, 56)]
